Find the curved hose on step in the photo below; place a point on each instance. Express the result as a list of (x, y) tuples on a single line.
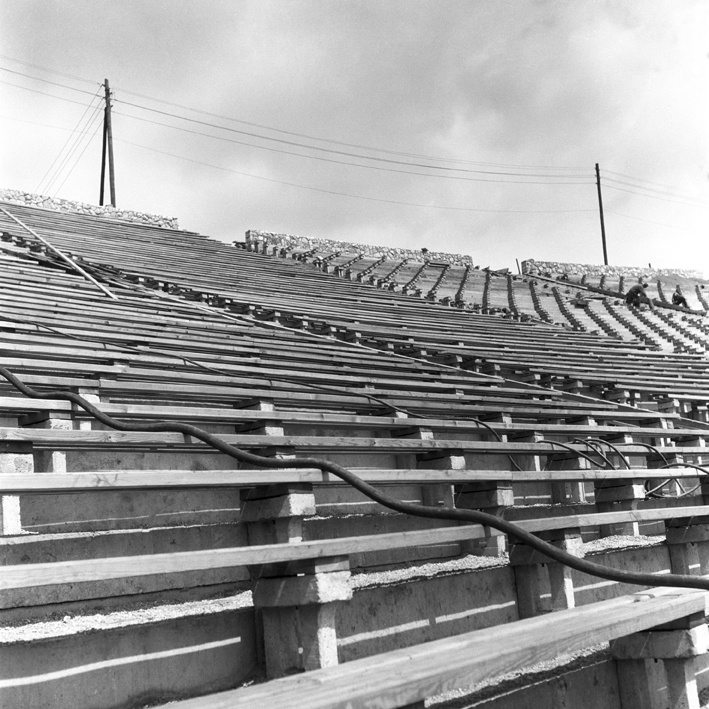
[(459, 515)]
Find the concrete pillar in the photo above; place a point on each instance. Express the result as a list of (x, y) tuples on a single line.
[(543, 585), (15, 457), (684, 539), (619, 495), (50, 461), (297, 602), (676, 644), (433, 495)]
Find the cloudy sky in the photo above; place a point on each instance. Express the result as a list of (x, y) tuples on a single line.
[(468, 126)]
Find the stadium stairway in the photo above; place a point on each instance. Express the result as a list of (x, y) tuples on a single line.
[(142, 566)]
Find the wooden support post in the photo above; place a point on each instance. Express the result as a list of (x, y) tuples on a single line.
[(544, 585), (676, 644), (297, 602)]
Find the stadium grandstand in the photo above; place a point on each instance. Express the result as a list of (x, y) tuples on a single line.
[(293, 472)]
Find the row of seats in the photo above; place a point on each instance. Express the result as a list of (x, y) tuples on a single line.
[(144, 565)]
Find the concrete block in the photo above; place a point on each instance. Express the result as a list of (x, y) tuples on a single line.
[(302, 590), (293, 505), (635, 491), (662, 644), (299, 639)]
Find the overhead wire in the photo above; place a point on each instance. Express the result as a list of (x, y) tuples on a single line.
[(330, 150), (46, 81), (44, 93), (350, 195), (93, 120), (370, 167), (300, 135), (665, 193), (78, 159), (75, 130), (652, 196), (43, 68), (649, 221), (83, 126), (651, 182)]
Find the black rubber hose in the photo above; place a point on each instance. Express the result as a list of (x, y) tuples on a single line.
[(459, 515)]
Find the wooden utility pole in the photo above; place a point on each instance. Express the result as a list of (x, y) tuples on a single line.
[(107, 150), (600, 209)]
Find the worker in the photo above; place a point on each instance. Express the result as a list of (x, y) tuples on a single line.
[(637, 295), (678, 298)]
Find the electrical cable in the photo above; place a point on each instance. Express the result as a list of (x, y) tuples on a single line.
[(44, 93), (355, 196), (43, 68), (352, 164), (649, 221), (66, 143), (46, 81), (298, 135), (459, 515), (652, 182), (328, 150), (78, 139), (650, 196), (88, 142), (656, 191)]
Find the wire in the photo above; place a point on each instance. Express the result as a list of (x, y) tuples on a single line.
[(295, 134), (328, 150), (651, 196), (46, 81), (352, 164), (656, 191), (648, 221), (651, 182), (76, 129), (355, 196), (88, 142), (79, 138), (44, 93), (51, 71)]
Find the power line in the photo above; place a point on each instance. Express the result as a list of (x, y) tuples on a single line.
[(66, 143), (44, 93), (354, 196), (88, 142), (292, 133), (75, 147), (656, 191), (649, 221), (335, 152), (278, 130), (351, 164), (347, 145), (46, 81), (651, 196), (650, 182), (51, 71)]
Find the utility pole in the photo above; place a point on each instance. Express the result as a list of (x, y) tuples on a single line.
[(600, 209), (107, 150)]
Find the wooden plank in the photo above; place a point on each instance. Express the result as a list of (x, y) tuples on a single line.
[(11, 483), (402, 677), (47, 574)]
